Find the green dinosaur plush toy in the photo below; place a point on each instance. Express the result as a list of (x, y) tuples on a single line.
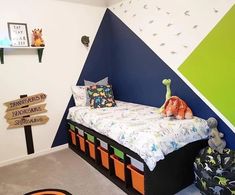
[(167, 83)]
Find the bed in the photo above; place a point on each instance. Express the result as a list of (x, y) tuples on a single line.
[(166, 146)]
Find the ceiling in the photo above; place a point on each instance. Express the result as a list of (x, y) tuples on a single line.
[(103, 3)]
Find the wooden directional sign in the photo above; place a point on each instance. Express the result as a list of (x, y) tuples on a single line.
[(26, 101), (32, 110), (19, 114), (37, 120)]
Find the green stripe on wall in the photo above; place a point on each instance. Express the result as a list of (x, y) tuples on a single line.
[(211, 66)]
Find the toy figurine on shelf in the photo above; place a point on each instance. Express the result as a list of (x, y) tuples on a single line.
[(37, 40)]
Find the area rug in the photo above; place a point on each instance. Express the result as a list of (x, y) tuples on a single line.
[(49, 192)]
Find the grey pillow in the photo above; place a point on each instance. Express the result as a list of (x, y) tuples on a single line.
[(89, 83), (101, 82)]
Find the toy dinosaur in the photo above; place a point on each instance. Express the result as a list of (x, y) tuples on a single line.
[(37, 40), (196, 176), (232, 183), (207, 168), (209, 150), (217, 190), (211, 160), (167, 83), (220, 171), (176, 107), (215, 141), (198, 160), (222, 180), (203, 184), (232, 191)]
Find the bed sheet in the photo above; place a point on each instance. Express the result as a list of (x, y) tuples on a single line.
[(141, 128)]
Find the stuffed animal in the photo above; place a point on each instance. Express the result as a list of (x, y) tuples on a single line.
[(167, 83), (177, 107), (215, 141), (37, 40)]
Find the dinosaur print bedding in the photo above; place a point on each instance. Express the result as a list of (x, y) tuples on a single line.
[(141, 128)]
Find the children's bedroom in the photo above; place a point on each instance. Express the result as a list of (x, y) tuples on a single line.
[(118, 97)]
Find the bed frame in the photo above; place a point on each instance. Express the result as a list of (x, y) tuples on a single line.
[(170, 175)]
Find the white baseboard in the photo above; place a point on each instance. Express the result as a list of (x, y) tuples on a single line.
[(41, 153)]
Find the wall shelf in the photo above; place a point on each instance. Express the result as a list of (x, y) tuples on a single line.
[(39, 51)]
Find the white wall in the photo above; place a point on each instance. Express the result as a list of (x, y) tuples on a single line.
[(63, 24), (172, 29), (102, 3)]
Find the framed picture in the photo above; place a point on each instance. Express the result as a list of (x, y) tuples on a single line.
[(18, 34)]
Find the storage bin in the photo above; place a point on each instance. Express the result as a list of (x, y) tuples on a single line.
[(71, 126), (90, 137), (91, 149), (118, 153), (137, 179), (81, 143), (118, 167), (103, 144), (80, 132), (72, 137), (137, 164), (104, 157)]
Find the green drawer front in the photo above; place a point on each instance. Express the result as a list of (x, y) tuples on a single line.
[(72, 127), (118, 153), (91, 138)]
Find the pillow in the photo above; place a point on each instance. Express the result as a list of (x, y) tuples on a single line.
[(89, 83), (101, 82), (79, 95), (101, 96)]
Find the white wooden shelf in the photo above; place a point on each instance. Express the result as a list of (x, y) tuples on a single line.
[(2, 48), (9, 47)]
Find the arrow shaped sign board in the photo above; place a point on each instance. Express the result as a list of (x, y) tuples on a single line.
[(32, 110), (37, 120), (26, 101)]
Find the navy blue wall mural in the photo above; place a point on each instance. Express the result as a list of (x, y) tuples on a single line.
[(96, 67), (136, 73)]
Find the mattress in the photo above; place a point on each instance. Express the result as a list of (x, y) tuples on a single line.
[(141, 128)]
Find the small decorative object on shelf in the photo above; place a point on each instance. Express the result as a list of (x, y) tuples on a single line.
[(37, 40), (18, 34), (85, 40), (5, 42)]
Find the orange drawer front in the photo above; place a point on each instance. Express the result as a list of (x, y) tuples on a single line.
[(73, 137), (91, 149), (137, 179), (118, 167), (104, 157), (82, 143)]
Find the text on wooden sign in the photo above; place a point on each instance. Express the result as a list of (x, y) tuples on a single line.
[(30, 100), (32, 110), (37, 120)]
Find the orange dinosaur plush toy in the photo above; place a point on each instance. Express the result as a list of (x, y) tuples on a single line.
[(177, 107), (37, 40)]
